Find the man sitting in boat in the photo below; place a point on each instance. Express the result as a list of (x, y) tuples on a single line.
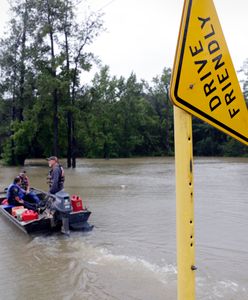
[(17, 196), (56, 176)]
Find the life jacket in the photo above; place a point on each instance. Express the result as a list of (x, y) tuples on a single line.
[(24, 182), (61, 176)]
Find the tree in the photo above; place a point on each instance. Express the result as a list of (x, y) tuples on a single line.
[(99, 116), (42, 59), (76, 38), (158, 96), (13, 60), (244, 81)]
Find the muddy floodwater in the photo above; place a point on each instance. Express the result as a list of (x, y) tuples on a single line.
[(131, 253)]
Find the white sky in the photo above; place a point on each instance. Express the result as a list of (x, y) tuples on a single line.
[(142, 35)]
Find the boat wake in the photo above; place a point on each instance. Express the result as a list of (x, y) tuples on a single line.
[(105, 257), (98, 270)]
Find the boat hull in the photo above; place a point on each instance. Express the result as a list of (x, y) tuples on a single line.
[(48, 220)]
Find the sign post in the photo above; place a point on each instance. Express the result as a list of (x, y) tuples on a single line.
[(184, 205)]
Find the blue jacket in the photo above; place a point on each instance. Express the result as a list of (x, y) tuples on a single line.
[(14, 190)]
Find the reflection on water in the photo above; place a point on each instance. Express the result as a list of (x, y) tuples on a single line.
[(131, 253)]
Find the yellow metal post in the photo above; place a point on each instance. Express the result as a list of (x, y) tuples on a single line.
[(184, 205)]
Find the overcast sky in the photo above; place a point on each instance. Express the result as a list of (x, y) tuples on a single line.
[(141, 35)]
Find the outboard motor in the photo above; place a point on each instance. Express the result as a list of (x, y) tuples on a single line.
[(62, 204)]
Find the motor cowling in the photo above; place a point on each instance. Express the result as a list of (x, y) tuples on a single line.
[(62, 205), (62, 202)]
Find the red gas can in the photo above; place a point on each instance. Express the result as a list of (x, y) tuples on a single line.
[(76, 203), (5, 202), (29, 215)]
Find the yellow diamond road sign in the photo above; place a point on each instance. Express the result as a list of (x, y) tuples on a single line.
[(204, 82)]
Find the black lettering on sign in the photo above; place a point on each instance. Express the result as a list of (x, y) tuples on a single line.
[(226, 86), (202, 63), (233, 112), (209, 88), (223, 77), (218, 61), (196, 50), (211, 33), (204, 21), (205, 76), (210, 65), (229, 98), (214, 103), (213, 46)]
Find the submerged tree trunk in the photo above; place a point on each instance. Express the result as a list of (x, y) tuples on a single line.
[(54, 76), (22, 64), (67, 28), (13, 116), (74, 146), (55, 123), (69, 140)]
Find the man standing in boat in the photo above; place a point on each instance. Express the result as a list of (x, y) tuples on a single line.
[(56, 175)]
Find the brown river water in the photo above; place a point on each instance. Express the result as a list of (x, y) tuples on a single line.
[(131, 252)]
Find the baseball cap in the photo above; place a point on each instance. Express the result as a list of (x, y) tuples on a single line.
[(52, 158)]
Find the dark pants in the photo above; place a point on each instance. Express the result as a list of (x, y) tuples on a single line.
[(29, 202), (32, 198)]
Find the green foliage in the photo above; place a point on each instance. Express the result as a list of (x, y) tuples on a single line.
[(234, 148), (45, 109), (19, 143), (7, 153)]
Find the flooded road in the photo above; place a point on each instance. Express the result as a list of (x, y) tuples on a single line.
[(131, 253)]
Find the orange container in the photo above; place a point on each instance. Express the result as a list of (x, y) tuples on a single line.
[(19, 213), (5, 202), (14, 209), (29, 215), (76, 203)]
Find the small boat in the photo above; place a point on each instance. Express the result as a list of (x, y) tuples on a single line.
[(57, 212)]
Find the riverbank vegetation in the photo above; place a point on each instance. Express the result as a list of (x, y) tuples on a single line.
[(45, 108)]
